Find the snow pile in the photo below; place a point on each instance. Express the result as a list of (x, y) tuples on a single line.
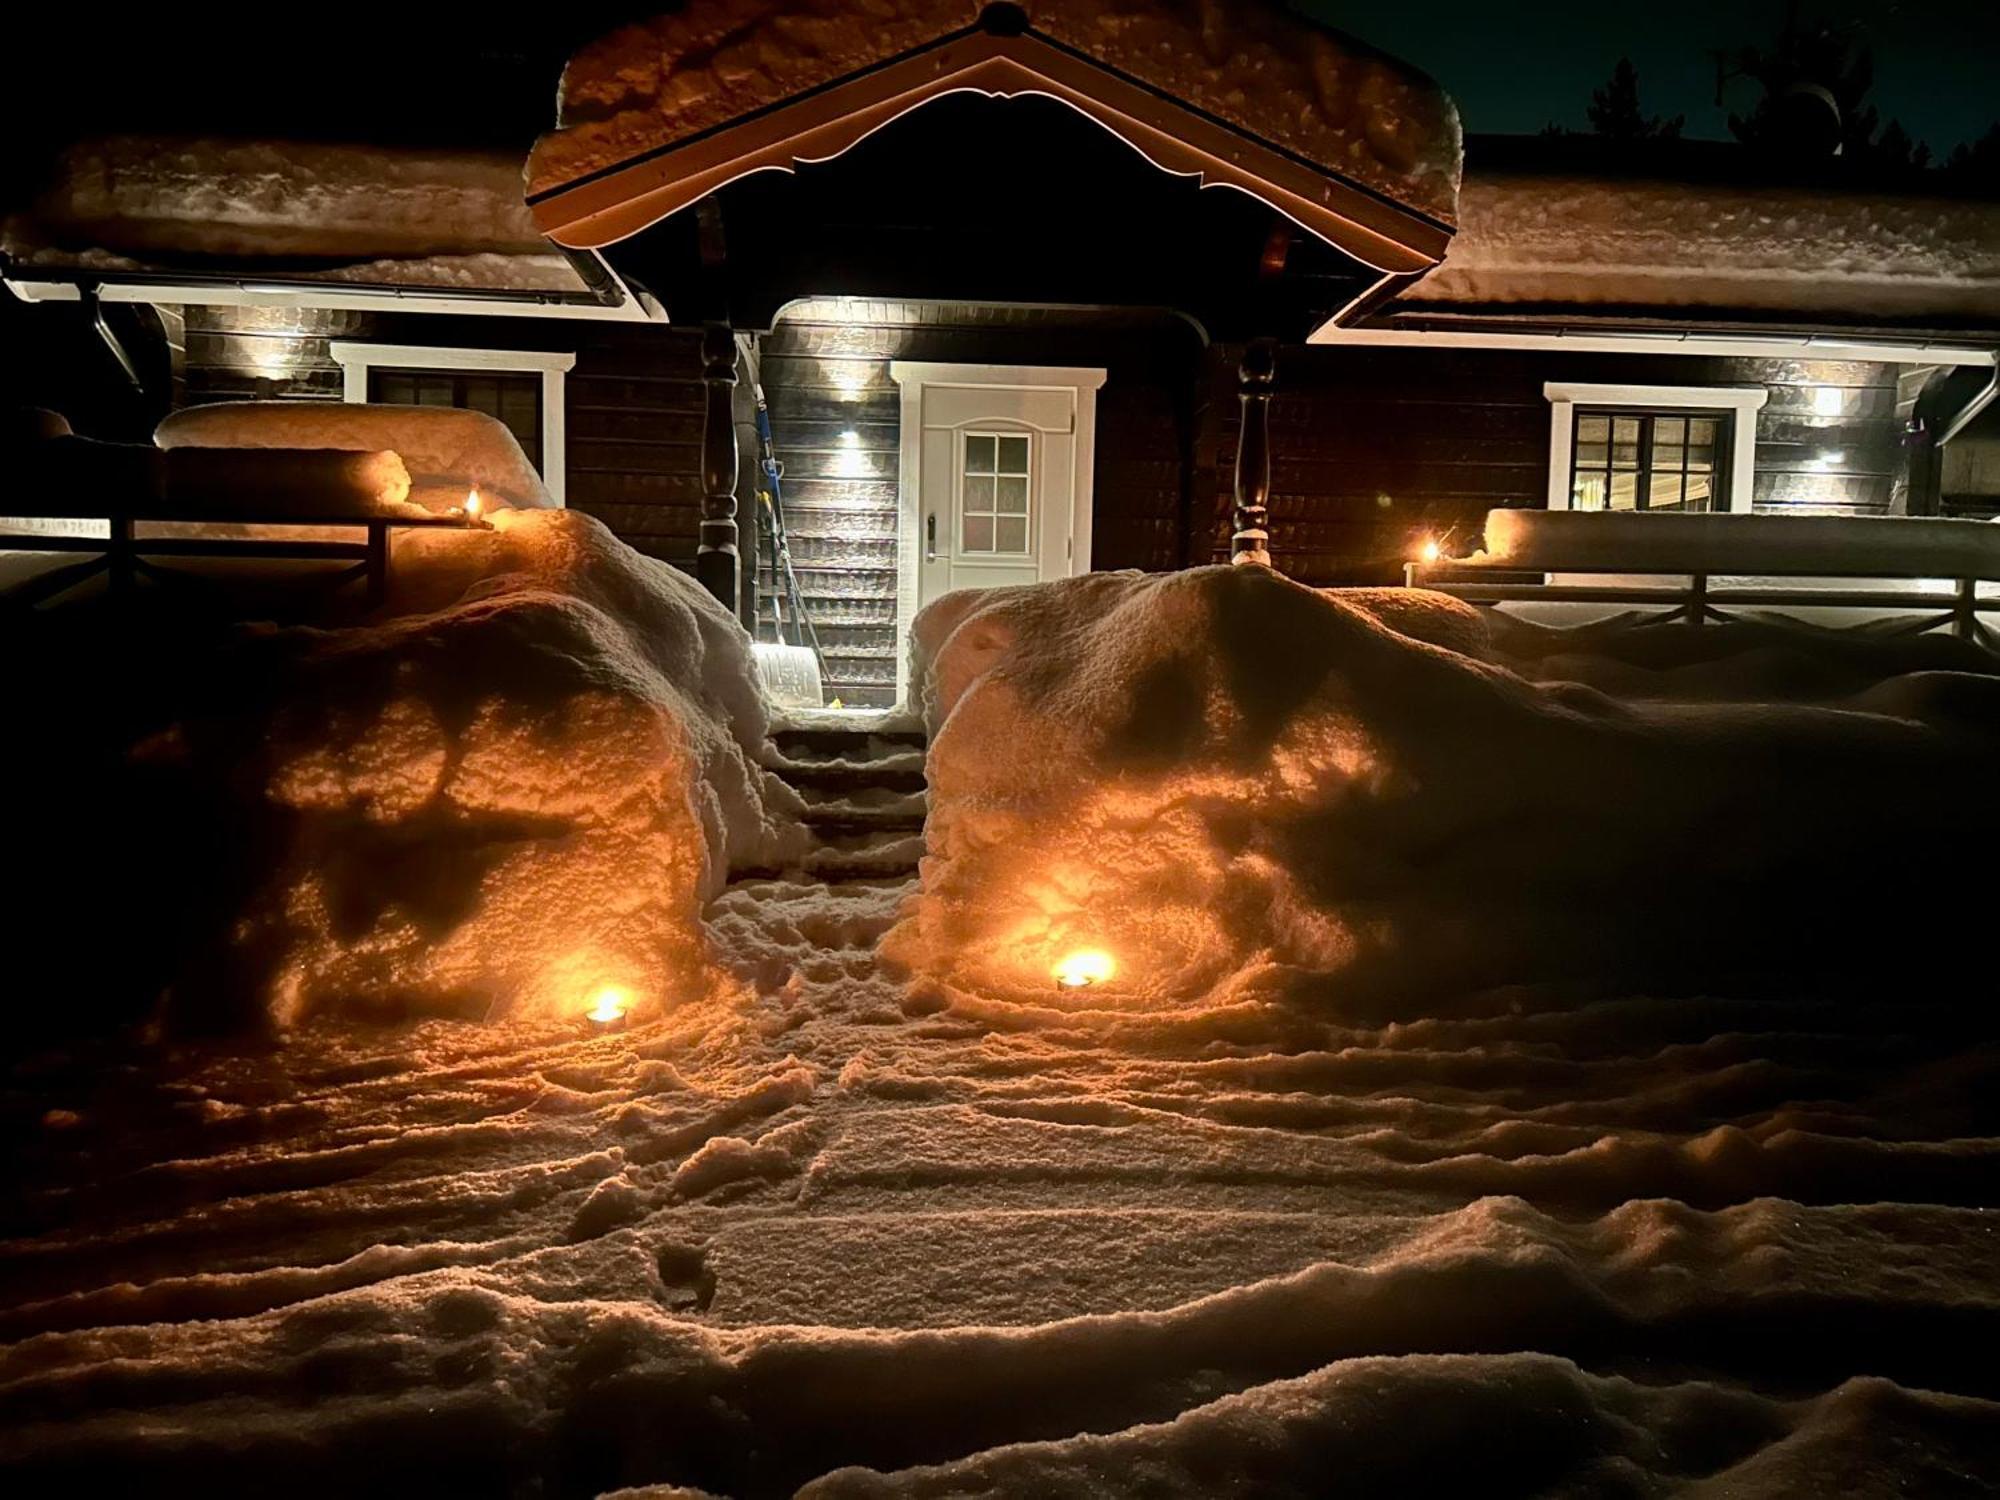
[(520, 788), (1237, 788), (1740, 543), (448, 452), (653, 85), (1559, 240), (367, 213)]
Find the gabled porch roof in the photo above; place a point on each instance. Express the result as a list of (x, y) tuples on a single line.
[(1353, 146)]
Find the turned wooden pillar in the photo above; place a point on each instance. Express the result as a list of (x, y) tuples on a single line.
[(716, 561), (1250, 542)]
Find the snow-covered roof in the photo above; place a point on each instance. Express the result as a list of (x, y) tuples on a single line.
[(345, 214), (649, 102), (1559, 240)]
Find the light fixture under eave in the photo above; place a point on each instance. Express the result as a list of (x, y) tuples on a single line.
[(609, 1003), (1082, 969), (1429, 551)]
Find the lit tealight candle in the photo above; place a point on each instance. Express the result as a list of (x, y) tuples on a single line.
[(608, 1003), (1080, 970), (473, 504)]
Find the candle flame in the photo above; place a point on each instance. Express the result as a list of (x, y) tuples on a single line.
[(608, 1003), (1086, 967), (473, 504)]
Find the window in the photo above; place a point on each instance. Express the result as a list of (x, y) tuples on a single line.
[(515, 399), (993, 495), (1640, 460), (522, 388), (1652, 447)]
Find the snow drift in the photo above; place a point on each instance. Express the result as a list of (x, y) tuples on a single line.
[(1583, 240), (329, 211), (1241, 787), (447, 451), (520, 786)]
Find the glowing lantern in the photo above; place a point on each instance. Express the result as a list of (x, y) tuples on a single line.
[(1082, 969), (608, 1003)]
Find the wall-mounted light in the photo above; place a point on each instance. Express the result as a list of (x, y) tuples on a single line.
[(1827, 401)]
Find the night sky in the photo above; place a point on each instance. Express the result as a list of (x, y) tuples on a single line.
[(1516, 68), (463, 75)]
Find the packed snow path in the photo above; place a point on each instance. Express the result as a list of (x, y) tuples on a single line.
[(1529, 1244)]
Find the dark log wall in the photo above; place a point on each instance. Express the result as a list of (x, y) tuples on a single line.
[(1374, 449), (835, 421)]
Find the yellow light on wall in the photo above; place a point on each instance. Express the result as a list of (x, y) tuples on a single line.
[(1085, 967), (609, 1003)]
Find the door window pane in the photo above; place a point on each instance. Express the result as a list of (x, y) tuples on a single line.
[(995, 493)]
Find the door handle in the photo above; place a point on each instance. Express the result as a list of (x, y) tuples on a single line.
[(930, 537)]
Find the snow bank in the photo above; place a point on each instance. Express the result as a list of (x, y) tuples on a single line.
[(341, 212), (1311, 90), (521, 786), (1666, 542), (1237, 787), (448, 452), (1573, 240)]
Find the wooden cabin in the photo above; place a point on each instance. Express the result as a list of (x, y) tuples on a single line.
[(1014, 282)]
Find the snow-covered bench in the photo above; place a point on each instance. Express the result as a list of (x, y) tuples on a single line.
[(1697, 566)]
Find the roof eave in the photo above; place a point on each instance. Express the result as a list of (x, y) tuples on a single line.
[(613, 204)]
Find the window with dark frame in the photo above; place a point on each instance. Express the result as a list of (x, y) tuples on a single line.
[(516, 400), (1650, 460)]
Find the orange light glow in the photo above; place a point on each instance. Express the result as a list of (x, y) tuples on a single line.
[(1430, 551), (1082, 969), (473, 504), (608, 1003)]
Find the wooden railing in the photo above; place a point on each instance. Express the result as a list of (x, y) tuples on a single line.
[(1256, 378), (718, 562)]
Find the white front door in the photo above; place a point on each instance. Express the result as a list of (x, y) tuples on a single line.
[(995, 476)]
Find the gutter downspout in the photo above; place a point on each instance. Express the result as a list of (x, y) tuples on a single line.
[(111, 340), (1969, 412)]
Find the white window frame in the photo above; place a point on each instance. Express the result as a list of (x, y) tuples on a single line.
[(1742, 402), (357, 360)]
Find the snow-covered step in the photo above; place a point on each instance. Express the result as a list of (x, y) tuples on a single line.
[(862, 806), (865, 798)]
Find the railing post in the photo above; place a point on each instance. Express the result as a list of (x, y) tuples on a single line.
[(1256, 377), (716, 561)]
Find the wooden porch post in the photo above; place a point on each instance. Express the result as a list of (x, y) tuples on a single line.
[(1256, 377), (716, 561)]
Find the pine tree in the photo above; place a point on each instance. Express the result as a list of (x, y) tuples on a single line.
[(1615, 114)]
